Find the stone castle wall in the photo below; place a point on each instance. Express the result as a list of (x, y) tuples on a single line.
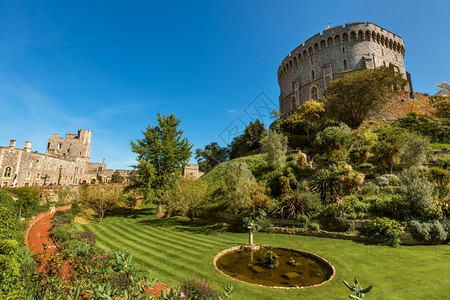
[(66, 162), (308, 70)]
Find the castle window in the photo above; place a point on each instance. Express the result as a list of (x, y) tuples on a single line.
[(396, 57), (382, 52), (293, 104), (314, 93), (38, 176), (48, 145), (7, 172), (345, 64), (312, 61), (27, 184), (313, 75), (343, 50), (28, 175), (59, 146), (31, 164)]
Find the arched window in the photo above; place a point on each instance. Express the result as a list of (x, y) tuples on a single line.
[(314, 93), (7, 172), (343, 50), (293, 104), (313, 75), (345, 64)]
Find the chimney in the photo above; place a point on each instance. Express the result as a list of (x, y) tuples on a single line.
[(12, 144), (27, 146)]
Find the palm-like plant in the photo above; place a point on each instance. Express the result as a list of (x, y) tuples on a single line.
[(360, 291)]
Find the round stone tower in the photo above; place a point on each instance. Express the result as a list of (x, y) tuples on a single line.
[(308, 70)]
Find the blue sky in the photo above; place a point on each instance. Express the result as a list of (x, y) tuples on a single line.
[(111, 66)]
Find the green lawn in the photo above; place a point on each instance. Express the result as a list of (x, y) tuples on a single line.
[(173, 249)]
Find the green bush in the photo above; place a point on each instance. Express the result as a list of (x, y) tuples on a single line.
[(433, 231), (385, 230), (194, 288), (416, 192), (369, 188)]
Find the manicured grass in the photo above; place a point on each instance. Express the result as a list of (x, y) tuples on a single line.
[(173, 249)]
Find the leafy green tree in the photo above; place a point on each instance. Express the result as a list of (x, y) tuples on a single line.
[(441, 101), (360, 95), (162, 155), (116, 177), (240, 190), (188, 198), (211, 156), (443, 89), (250, 140), (275, 146), (305, 117), (28, 198), (102, 197)]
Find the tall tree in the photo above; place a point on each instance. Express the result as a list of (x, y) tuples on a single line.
[(360, 95), (275, 146), (162, 156), (211, 156), (250, 140)]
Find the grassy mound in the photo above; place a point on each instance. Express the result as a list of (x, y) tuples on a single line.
[(254, 162)]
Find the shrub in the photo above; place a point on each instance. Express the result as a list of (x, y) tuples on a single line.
[(416, 192), (333, 143), (194, 288), (440, 177), (432, 231), (369, 188), (385, 230), (414, 149)]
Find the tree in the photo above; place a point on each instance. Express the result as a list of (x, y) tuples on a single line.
[(275, 146), (187, 198), (441, 101), (251, 139), (444, 89), (360, 95), (162, 156), (101, 197), (116, 177), (27, 198), (241, 191), (211, 156)]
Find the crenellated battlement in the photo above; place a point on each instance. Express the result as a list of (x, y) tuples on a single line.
[(307, 70)]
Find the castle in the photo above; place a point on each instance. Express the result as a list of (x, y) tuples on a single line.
[(66, 161), (308, 70)]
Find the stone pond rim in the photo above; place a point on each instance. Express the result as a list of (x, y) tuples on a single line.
[(315, 256)]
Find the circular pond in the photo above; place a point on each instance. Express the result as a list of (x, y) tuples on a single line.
[(294, 268)]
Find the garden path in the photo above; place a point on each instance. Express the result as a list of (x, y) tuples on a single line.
[(38, 240)]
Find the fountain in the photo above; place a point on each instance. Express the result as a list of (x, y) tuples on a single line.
[(275, 267)]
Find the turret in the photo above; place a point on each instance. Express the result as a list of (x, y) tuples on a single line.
[(27, 146), (12, 144)]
